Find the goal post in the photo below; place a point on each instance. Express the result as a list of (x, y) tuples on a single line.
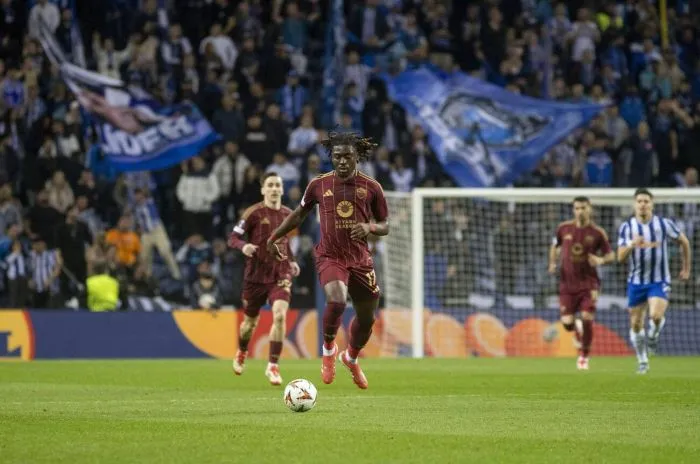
[(465, 271)]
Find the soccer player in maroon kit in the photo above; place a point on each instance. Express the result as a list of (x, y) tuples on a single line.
[(581, 243), (351, 206), (267, 276)]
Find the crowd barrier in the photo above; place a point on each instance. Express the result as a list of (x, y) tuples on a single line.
[(63, 334)]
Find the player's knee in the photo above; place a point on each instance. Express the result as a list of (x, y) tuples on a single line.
[(250, 323), (279, 317), (366, 321), (568, 323)]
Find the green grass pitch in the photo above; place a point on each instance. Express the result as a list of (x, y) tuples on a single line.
[(415, 411)]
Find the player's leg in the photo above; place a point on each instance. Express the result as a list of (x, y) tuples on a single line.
[(567, 312), (658, 304), (279, 297), (333, 278), (638, 337), (364, 293), (587, 306), (254, 297)]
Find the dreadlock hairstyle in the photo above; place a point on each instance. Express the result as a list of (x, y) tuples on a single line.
[(363, 145)]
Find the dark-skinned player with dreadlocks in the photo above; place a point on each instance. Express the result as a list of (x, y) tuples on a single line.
[(351, 206)]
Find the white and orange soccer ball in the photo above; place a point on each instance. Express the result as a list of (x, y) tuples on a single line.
[(300, 395)]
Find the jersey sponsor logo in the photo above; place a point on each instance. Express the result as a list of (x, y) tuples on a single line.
[(344, 209), (577, 249), (361, 193), (327, 193)]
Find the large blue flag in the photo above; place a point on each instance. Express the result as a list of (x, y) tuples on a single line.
[(136, 132), (482, 134)]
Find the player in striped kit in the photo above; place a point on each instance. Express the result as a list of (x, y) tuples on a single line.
[(643, 239)]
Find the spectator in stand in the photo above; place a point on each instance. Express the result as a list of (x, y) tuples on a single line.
[(45, 264), (60, 192), (43, 12), (401, 176), (228, 120), (302, 139), (127, 245), (10, 213), (197, 190), (285, 169), (292, 97), (153, 234), (72, 239), (195, 251), (16, 267)]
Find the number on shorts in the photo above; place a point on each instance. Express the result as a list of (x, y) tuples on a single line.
[(372, 280)]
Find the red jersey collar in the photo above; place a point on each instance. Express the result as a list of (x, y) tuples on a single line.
[(351, 177)]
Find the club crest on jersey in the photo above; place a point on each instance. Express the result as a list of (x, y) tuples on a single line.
[(568, 237), (589, 239), (361, 193), (344, 209), (264, 221)]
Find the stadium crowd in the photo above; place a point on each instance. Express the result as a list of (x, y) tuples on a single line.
[(254, 69)]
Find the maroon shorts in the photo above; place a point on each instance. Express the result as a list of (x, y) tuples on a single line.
[(360, 279), (255, 295), (572, 302)]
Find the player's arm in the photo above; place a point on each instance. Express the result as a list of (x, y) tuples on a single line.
[(604, 248), (685, 256), (554, 251), (380, 212), (295, 219), (236, 238), (290, 223), (626, 242), (674, 232)]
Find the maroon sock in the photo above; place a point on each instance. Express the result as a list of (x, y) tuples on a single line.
[(587, 337), (331, 322), (359, 335), (275, 350)]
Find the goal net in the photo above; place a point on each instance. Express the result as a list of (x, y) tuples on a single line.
[(464, 273)]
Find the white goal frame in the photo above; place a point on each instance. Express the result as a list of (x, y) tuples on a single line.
[(598, 196)]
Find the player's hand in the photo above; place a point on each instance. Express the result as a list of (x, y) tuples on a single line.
[(275, 251), (594, 260), (552, 268), (359, 231), (295, 269), (684, 275), (638, 241), (249, 249)]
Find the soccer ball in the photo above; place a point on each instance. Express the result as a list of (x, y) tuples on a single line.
[(300, 395)]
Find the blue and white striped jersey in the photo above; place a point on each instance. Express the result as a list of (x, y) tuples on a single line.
[(43, 265), (649, 263)]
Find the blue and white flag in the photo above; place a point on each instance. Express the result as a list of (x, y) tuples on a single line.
[(333, 63), (483, 135), (136, 132)]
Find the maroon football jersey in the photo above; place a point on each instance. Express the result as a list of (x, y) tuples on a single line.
[(342, 204), (258, 222), (576, 244)]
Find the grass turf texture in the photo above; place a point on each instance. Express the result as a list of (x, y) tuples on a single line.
[(476, 410)]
